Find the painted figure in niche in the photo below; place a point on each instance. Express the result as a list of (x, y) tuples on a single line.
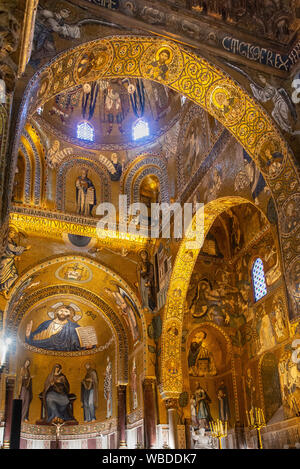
[(89, 393), (250, 388), (158, 69), (202, 407), (127, 307), (289, 373), (47, 23), (18, 183), (8, 269), (25, 389), (108, 388), (134, 385), (222, 396), (200, 359), (264, 329), (56, 396), (116, 105), (145, 274), (85, 194), (118, 168), (279, 321), (251, 177), (59, 332), (236, 236)]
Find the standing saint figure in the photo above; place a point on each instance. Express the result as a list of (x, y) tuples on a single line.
[(116, 105), (85, 194), (250, 388), (134, 385), (55, 396), (200, 359), (8, 269), (25, 389), (202, 406), (145, 273), (89, 393), (222, 396), (108, 388)]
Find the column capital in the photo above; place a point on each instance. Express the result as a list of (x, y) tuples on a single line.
[(149, 381), (171, 403), (122, 387)]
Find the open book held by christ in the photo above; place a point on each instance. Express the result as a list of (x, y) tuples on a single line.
[(87, 336)]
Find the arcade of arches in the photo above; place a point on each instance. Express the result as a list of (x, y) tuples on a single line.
[(112, 339)]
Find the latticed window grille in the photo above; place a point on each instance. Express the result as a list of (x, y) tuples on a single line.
[(140, 129), (85, 131), (258, 279)]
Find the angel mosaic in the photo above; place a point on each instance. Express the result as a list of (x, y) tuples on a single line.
[(127, 307), (8, 269), (284, 110), (61, 332), (47, 23)]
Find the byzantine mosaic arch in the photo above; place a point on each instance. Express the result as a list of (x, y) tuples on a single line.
[(212, 89), (189, 75), (174, 310)]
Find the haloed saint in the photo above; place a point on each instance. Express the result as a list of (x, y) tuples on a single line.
[(60, 332)]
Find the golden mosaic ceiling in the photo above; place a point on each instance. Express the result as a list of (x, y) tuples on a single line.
[(112, 107)]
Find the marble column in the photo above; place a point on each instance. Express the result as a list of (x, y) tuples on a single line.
[(240, 436), (149, 412), (9, 395), (122, 416), (171, 405), (187, 423)]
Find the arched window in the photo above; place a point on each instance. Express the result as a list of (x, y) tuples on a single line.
[(258, 279), (140, 129), (85, 131)]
